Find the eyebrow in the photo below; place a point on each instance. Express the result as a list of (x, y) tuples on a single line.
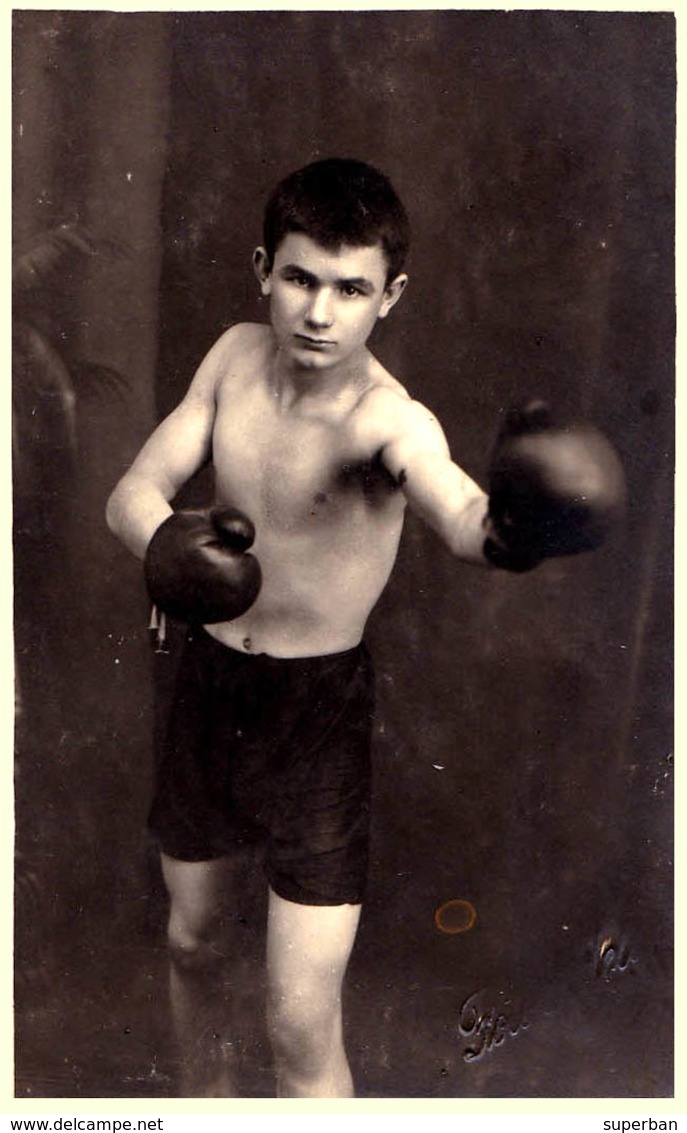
[(355, 281)]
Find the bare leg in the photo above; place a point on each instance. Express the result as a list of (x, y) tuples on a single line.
[(308, 948), (198, 953)]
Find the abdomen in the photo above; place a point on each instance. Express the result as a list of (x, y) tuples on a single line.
[(319, 585)]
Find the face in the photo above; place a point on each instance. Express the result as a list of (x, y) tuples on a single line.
[(324, 304)]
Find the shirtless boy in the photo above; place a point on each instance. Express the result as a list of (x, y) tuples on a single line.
[(317, 451)]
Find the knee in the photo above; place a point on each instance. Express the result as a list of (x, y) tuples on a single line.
[(190, 951), (303, 1027)]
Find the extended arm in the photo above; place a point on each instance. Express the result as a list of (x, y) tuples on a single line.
[(438, 490), (554, 489)]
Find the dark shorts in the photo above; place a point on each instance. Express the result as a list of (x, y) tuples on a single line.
[(260, 747)]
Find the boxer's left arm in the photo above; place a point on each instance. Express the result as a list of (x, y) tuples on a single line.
[(416, 453), (554, 489)]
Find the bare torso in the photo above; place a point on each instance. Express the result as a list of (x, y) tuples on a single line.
[(328, 516)]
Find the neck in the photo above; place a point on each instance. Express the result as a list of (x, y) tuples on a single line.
[(292, 383)]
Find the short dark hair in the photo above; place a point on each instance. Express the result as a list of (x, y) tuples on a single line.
[(339, 201)]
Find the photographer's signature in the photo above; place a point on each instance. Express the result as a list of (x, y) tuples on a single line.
[(486, 1020)]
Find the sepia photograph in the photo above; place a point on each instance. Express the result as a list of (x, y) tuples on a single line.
[(343, 450)]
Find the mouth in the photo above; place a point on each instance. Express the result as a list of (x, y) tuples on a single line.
[(309, 343)]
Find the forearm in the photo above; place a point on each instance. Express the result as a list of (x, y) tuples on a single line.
[(135, 510), (467, 531), (452, 504)]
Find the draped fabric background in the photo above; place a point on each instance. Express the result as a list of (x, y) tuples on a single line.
[(524, 730)]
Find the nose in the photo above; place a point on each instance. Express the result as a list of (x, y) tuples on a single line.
[(320, 312)]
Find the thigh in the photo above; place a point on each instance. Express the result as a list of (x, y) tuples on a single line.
[(193, 814), (308, 947), (319, 825)]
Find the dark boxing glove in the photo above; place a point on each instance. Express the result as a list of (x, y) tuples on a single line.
[(197, 567), (554, 489)]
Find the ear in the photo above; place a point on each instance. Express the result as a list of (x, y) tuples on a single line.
[(263, 270), (392, 294)]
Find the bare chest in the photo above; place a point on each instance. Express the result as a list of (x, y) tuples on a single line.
[(297, 472)]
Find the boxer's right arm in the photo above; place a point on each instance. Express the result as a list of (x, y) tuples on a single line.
[(196, 563), (179, 446)]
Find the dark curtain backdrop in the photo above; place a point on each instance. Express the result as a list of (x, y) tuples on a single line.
[(524, 728)]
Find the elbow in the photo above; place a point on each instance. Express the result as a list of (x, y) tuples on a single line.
[(114, 510), (112, 514)]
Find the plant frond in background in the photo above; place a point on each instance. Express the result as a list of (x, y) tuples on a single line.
[(40, 377), (47, 386), (41, 261)]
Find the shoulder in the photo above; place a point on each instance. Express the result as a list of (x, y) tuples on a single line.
[(239, 340), (388, 411), (236, 353), (379, 394)]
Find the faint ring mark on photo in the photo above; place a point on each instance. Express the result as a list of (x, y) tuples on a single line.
[(455, 916)]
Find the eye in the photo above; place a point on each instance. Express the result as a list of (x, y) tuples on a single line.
[(350, 290), (299, 279)]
